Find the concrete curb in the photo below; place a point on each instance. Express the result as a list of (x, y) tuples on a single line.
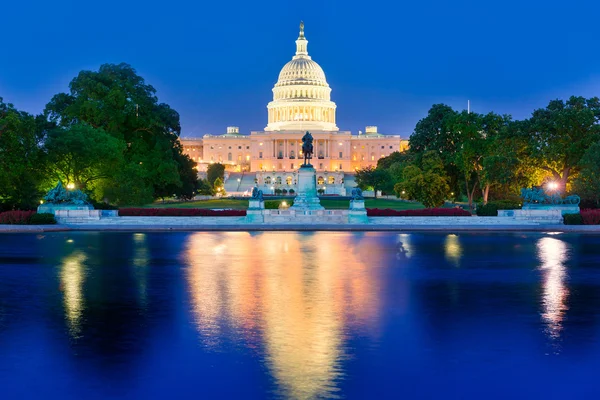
[(587, 229)]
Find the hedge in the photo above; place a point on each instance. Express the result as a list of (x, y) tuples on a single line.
[(26, 218), (572, 219), (585, 217), (425, 212), (590, 216), (179, 212), (488, 210)]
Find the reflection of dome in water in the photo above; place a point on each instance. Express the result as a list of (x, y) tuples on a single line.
[(301, 96)]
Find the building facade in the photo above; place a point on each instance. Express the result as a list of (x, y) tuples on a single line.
[(301, 102)]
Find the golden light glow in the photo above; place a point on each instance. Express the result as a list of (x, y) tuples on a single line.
[(453, 249), (294, 294), (71, 284), (552, 253)]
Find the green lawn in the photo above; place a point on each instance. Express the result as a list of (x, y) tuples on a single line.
[(328, 203), (216, 203)]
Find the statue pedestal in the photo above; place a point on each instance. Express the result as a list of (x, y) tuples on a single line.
[(254, 213), (306, 197), (52, 208), (358, 212)]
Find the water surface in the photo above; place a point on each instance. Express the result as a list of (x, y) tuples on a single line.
[(299, 315)]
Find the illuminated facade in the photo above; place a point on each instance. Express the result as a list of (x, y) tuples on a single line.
[(301, 102)]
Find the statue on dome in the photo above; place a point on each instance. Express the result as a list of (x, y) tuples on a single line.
[(307, 148)]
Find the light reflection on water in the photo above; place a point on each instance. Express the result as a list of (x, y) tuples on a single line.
[(552, 254), (72, 276), (297, 297), (298, 315)]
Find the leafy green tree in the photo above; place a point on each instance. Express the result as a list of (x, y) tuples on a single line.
[(560, 134), (371, 177), (427, 184), (119, 101), (434, 133), (219, 187), (205, 188), (215, 171), (82, 155), (22, 159), (478, 134), (587, 183)]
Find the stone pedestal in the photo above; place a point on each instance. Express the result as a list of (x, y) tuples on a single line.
[(50, 208), (254, 213), (306, 197), (564, 208), (358, 212)]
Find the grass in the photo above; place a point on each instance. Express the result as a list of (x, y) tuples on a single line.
[(328, 203)]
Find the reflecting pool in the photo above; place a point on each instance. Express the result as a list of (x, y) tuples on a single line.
[(86, 315)]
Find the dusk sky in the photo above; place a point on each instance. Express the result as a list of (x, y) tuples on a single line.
[(387, 62)]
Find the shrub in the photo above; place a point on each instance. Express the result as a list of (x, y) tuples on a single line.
[(16, 217), (488, 210), (42, 219), (278, 191), (284, 192), (572, 219), (506, 204), (590, 216), (179, 212), (292, 191), (426, 212), (320, 191)]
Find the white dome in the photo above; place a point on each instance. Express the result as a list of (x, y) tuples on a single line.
[(301, 96), (302, 71)]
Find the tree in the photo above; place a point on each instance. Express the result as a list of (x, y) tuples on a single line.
[(371, 177), (22, 159), (434, 133), (560, 134), (219, 187), (205, 188), (587, 183), (82, 155), (215, 171), (477, 135), (119, 101), (427, 184)]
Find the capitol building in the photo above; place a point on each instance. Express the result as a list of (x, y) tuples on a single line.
[(270, 158)]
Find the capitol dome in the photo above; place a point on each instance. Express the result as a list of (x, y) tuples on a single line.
[(301, 96)]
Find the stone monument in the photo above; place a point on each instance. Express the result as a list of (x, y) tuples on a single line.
[(358, 212), (60, 198), (306, 197), (539, 198), (256, 205)]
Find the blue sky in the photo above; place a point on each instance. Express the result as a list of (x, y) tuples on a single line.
[(387, 62)]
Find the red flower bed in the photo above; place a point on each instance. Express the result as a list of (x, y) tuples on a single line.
[(16, 217), (425, 212), (179, 212), (590, 216)]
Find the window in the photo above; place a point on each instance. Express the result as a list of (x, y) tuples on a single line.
[(278, 180), (229, 147), (391, 147), (288, 180), (321, 166), (320, 180), (354, 157), (260, 155), (212, 147), (240, 157), (229, 157), (248, 157), (239, 147), (331, 180), (340, 167), (247, 147), (268, 180), (341, 155), (292, 166), (372, 158), (383, 147)]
